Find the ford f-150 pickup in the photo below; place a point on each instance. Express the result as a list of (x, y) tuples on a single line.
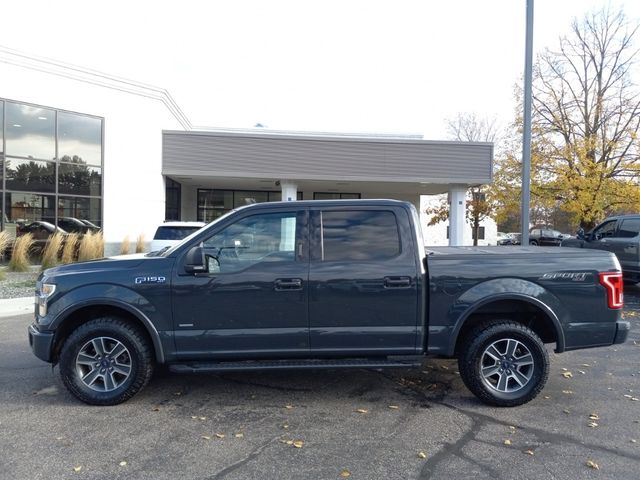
[(324, 284)]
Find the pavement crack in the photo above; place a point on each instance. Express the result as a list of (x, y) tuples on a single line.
[(542, 435), (256, 452)]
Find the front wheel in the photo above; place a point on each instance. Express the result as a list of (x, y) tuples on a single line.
[(106, 361), (533, 243), (504, 363)]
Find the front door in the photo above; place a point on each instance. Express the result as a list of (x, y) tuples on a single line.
[(252, 300)]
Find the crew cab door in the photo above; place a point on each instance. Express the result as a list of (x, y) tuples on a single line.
[(252, 299), (600, 238), (363, 290)]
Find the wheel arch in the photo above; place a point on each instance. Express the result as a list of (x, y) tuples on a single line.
[(80, 314), (519, 308)]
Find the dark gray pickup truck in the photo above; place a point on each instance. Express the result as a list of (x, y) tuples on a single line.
[(331, 284)]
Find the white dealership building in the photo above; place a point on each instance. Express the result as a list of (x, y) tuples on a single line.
[(122, 155)]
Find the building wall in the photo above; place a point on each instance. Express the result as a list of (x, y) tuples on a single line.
[(436, 235), (133, 184)]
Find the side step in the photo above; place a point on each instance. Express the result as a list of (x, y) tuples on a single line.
[(250, 365)]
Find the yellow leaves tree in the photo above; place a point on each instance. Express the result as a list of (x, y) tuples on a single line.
[(586, 114)]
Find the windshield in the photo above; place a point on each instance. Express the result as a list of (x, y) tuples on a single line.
[(169, 251)]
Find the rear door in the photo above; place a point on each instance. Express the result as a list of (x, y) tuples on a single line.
[(362, 282)]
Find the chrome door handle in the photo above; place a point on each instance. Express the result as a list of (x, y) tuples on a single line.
[(285, 284)]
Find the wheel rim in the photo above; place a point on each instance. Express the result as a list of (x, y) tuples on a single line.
[(103, 364), (506, 365)]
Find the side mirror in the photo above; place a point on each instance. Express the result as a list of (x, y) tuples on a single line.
[(194, 261)]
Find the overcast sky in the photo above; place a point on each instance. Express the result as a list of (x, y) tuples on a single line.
[(344, 66)]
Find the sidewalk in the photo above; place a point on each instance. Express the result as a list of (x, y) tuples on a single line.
[(11, 307)]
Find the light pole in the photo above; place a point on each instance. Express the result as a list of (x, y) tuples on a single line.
[(526, 131)]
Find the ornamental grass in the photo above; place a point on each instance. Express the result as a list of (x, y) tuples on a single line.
[(20, 255), (70, 247), (125, 245), (50, 255), (140, 243)]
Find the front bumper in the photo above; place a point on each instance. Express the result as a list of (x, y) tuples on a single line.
[(41, 343), (622, 331)]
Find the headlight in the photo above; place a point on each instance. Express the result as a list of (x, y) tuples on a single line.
[(46, 290)]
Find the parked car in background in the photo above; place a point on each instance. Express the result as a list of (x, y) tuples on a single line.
[(503, 239), (620, 235), (41, 231), (170, 233), (509, 239), (75, 225), (516, 238), (545, 237)]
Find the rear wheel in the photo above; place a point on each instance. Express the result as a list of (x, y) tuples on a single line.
[(533, 243), (504, 363), (106, 361)]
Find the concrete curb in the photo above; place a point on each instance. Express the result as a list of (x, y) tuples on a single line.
[(10, 307)]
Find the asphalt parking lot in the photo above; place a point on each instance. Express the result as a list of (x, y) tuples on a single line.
[(394, 424)]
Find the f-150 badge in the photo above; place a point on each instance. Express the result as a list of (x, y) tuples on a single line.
[(146, 280)]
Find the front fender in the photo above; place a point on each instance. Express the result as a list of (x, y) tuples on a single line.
[(146, 310), (505, 289)]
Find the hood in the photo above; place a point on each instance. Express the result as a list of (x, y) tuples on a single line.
[(109, 263)]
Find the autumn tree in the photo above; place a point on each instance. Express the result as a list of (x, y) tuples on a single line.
[(469, 128), (586, 114)]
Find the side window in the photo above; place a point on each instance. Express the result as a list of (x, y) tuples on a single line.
[(359, 235), (629, 228), (605, 230), (261, 238)]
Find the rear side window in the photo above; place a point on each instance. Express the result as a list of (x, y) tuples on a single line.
[(174, 233), (359, 235), (629, 228)]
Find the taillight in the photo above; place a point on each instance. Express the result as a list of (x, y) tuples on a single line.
[(613, 284)]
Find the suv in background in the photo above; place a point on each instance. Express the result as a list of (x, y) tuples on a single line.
[(620, 235), (171, 233), (545, 237)]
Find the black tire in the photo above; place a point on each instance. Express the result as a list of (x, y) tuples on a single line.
[(477, 363), (127, 360), (533, 243)]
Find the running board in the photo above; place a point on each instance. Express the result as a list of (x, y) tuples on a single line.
[(250, 365)]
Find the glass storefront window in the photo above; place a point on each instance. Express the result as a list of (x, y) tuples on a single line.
[(79, 179), (85, 210), (1, 128), (335, 196), (31, 175), (244, 197), (30, 167), (172, 196), (79, 139), (30, 131), (25, 208), (215, 203)]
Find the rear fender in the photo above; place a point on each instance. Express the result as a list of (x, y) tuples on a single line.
[(506, 289)]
